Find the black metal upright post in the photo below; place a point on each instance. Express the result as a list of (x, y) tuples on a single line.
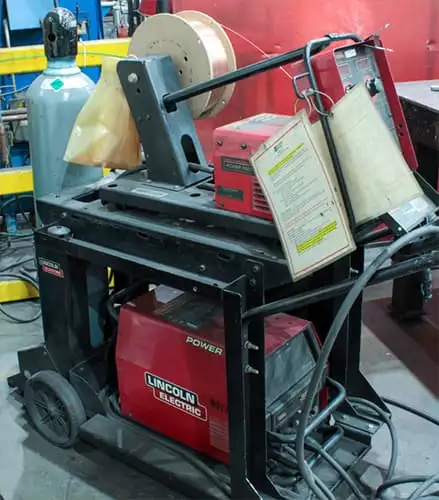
[(256, 384), (236, 361)]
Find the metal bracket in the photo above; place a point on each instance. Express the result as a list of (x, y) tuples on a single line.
[(169, 138)]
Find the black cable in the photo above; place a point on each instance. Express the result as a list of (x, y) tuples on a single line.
[(27, 279), (317, 448), (17, 264), (20, 207), (331, 338), (409, 409), (197, 463), (337, 467), (394, 437), (417, 494), (399, 481)]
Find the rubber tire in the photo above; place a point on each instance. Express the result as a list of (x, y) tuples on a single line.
[(65, 392)]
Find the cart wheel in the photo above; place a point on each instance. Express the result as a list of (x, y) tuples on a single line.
[(54, 407)]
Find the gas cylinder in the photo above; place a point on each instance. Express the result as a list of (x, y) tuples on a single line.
[(54, 101)]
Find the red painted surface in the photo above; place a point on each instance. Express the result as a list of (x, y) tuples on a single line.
[(236, 187), (277, 26), (177, 386), (285, 24), (149, 7)]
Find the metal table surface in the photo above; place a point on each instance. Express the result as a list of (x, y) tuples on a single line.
[(420, 93)]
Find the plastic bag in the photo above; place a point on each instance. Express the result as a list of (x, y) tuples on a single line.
[(104, 134)]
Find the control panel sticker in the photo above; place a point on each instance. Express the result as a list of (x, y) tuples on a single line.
[(178, 397), (236, 165), (232, 193), (50, 267)]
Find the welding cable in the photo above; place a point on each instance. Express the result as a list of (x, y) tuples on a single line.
[(400, 481), (320, 450), (409, 409), (417, 494), (331, 338), (291, 467), (112, 407), (393, 434), (337, 467)]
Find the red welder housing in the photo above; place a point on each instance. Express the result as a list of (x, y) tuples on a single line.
[(171, 369), (336, 71), (236, 186), (293, 23)]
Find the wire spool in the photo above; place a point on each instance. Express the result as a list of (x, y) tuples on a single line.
[(199, 48)]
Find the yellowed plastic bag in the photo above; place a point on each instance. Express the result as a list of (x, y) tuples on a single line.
[(104, 134)]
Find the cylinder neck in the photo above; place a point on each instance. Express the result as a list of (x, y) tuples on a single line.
[(62, 66)]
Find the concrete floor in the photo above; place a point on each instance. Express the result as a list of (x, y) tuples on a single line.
[(400, 362)]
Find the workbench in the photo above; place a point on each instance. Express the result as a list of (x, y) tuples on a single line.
[(421, 108)]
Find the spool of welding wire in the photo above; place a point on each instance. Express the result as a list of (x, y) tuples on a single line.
[(200, 50)]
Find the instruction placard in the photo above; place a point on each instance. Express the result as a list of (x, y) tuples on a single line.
[(306, 206)]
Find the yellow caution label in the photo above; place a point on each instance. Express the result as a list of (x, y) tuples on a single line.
[(317, 238), (285, 160)]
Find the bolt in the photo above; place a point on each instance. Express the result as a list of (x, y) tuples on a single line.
[(250, 346), (203, 268), (133, 78), (249, 369), (243, 146), (221, 204), (219, 142), (371, 427), (252, 282), (148, 117), (60, 231), (64, 215), (255, 269), (195, 289)]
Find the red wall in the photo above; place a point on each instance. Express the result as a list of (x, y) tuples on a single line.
[(279, 25)]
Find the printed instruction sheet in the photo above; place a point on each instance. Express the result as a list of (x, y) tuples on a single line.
[(300, 189)]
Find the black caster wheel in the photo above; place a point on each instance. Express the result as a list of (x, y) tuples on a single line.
[(54, 407)]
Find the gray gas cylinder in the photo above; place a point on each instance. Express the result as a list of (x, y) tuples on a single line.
[(54, 101)]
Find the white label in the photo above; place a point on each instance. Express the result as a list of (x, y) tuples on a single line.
[(349, 54), (309, 215)]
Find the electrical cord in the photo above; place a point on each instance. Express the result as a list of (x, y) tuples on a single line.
[(417, 494), (31, 281), (393, 434), (217, 479), (414, 411), (337, 467), (331, 338), (317, 448)]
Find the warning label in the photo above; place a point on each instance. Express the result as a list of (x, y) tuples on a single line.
[(176, 396), (50, 267)]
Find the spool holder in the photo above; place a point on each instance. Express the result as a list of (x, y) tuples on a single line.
[(163, 119), (169, 138)]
